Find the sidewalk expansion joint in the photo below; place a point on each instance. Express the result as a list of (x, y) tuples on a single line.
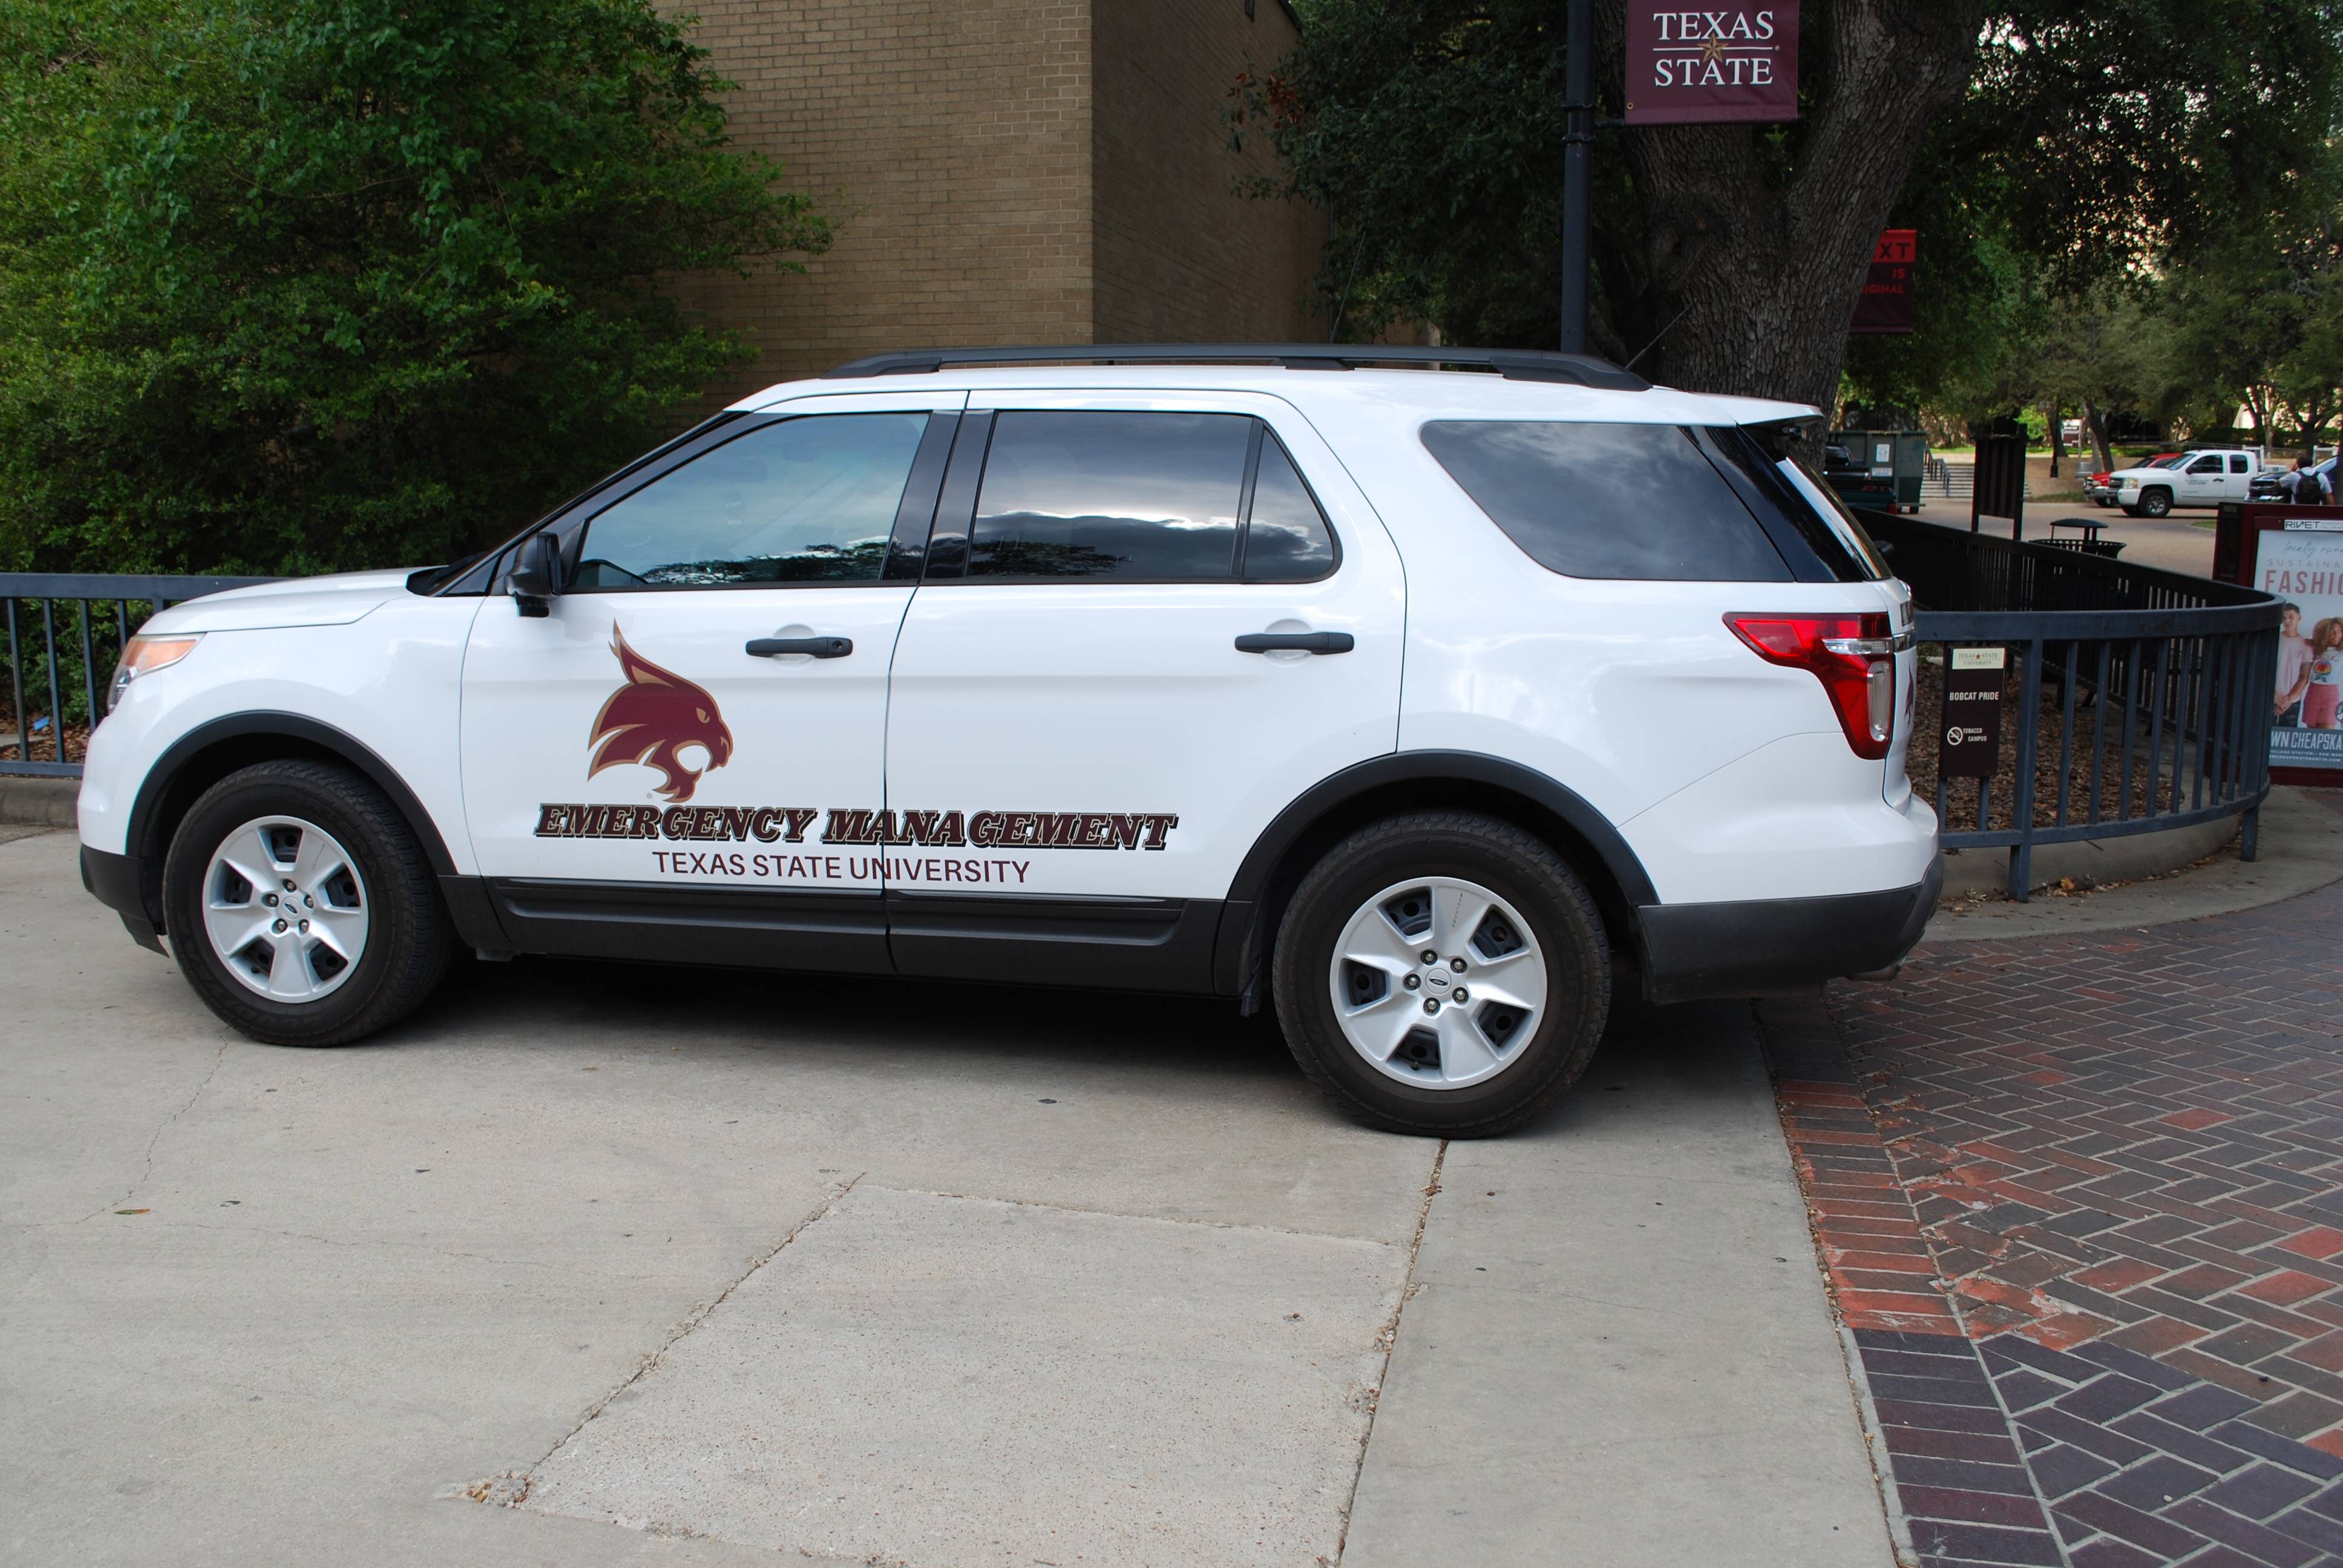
[(1387, 1342), (510, 1489)]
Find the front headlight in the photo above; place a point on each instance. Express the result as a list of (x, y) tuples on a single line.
[(145, 655)]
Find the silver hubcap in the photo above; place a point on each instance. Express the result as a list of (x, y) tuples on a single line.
[(1438, 982), (285, 910)]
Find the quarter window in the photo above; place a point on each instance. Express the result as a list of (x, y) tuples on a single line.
[(1286, 535), (1597, 501), (802, 500)]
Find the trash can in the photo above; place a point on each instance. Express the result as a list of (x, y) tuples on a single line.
[(1900, 458)]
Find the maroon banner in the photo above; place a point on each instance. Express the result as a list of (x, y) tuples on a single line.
[(1698, 67), (1887, 302)]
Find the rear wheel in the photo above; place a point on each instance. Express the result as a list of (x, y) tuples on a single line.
[(300, 907), (2156, 503), (1443, 974)]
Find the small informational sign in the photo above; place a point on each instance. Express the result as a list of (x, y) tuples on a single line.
[(1971, 748), (1886, 303), (2301, 562), (1701, 68)]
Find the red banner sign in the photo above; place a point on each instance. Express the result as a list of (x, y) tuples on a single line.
[(1887, 302), (1698, 67)]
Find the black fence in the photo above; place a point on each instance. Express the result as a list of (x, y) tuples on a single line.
[(66, 631), (2142, 698)]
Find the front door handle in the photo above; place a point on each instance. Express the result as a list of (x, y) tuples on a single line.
[(819, 647), (1296, 642)]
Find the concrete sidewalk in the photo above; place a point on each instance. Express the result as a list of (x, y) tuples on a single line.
[(689, 1267)]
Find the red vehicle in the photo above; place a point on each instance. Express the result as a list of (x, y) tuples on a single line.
[(2101, 488)]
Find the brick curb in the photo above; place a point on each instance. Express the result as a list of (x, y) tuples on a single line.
[(38, 802)]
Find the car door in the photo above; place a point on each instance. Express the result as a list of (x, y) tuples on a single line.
[(1106, 687), (649, 767), (2239, 479), (2199, 481)]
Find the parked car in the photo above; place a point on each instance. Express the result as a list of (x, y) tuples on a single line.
[(2272, 485), (2100, 486), (1411, 703), (2204, 476)]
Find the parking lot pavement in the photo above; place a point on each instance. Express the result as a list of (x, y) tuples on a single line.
[(864, 1271), (2082, 1196)]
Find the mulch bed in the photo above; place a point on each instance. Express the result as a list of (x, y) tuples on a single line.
[(2050, 781)]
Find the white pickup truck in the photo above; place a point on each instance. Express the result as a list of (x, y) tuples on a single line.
[(2204, 477)]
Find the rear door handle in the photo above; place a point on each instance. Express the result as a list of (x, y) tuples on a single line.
[(819, 647), (1296, 642)]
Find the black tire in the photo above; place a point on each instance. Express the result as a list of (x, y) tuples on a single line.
[(1522, 869), (408, 940), (2154, 503)]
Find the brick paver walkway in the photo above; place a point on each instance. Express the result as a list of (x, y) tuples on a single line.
[(2081, 1202)]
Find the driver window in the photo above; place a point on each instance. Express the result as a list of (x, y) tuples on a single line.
[(804, 501), (2206, 465)]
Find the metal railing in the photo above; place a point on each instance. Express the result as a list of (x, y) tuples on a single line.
[(65, 630), (2142, 701)]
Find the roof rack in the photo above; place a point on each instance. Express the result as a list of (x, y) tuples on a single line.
[(1514, 364)]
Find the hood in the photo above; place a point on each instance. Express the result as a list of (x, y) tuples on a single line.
[(2143, 473), (296, 601)]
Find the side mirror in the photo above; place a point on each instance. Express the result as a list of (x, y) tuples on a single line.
[(534, 581)]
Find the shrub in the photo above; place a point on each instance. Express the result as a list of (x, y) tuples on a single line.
[(292, 285)]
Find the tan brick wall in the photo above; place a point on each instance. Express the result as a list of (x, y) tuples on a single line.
[(1178, 255), (949, 139)]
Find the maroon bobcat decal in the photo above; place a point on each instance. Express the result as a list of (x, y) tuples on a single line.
[(651, 717)]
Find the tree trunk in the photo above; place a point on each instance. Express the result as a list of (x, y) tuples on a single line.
[(2095, 425), (2058, 427), (1765, 269)]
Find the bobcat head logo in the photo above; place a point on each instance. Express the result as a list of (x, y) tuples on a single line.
[(651, 717)]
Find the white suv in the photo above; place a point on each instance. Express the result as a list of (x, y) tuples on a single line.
[(1414, 701)]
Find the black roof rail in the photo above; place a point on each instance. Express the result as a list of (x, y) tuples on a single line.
[(1514, 364)]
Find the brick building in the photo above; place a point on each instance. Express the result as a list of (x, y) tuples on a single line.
[(1006, 171)]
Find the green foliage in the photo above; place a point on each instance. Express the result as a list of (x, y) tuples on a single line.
[(1431, 134), (288, 286), (2113, 151)]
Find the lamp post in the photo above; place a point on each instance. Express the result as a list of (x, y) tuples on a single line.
[(1578, 137)]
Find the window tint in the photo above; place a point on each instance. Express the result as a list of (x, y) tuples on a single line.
[(2206, 465), (1286, 538), (1092, 494), (2240, 466), (1607, 500), (803, 500)]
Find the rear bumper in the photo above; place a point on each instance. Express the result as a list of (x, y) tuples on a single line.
[(1761, 947), (119, 881)]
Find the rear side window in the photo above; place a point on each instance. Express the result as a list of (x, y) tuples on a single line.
[(1089, 493), (1596, 500), (1101, 495)]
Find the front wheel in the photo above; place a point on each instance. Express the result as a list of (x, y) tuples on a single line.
[(1443, 974), (2156, 504), (300, 908)]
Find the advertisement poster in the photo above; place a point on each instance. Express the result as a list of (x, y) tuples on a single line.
[(2302, 563)]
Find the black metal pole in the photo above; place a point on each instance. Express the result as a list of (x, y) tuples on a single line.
[(1578, 136)]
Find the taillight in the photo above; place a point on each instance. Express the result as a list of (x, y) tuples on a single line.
[(1854, 656)]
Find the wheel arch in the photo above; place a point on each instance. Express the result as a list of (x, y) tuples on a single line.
[(210, 752), (1415, 780)]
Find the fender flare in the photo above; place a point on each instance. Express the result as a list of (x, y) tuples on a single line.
[(346, 748), (1251, 882)]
